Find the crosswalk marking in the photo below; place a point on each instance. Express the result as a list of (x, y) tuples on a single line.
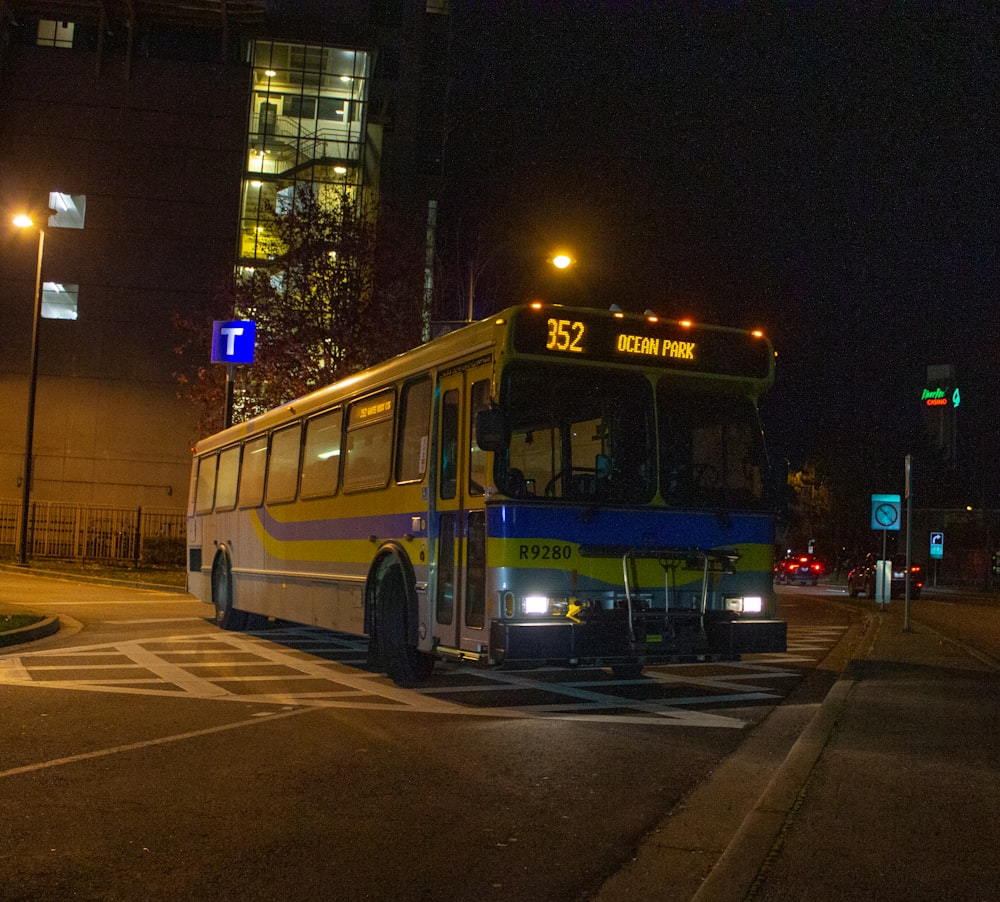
[(305, 667)]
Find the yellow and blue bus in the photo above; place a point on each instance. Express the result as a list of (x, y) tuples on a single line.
[(550, 486)]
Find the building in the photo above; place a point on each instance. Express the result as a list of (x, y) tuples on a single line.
[(161, 131)]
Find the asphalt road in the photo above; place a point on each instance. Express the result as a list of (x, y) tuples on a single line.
[(144, 754)]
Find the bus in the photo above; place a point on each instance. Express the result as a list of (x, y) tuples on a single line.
[(551, 486)]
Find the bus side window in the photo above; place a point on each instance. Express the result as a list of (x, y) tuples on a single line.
[(206, 484), (229, 471), (252, 471), (479, 400), (449, 444), (321, 456), (283, 464), (368, 443), (411, 453)]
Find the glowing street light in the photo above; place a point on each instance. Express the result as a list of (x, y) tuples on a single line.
[(562, 261), (23, 221)]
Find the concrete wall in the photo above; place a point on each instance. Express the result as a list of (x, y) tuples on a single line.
[(159, 157)]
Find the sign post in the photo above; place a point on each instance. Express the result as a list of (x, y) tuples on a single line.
[(885, 516), (908, 492), (233, 342)]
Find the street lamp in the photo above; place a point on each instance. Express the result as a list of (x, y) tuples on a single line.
[(23, 221)]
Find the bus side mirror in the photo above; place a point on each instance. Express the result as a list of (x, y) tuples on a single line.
[(491, 430)]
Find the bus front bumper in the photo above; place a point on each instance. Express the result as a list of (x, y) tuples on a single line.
[(563, 642)]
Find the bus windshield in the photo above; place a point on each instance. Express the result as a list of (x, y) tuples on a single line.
[(711, 450), (588, 435), (578, 434)]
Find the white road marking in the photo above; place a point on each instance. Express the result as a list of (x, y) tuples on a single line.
[(182, 667), (147, 743)]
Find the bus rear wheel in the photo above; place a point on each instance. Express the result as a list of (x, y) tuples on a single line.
[(405, 665), (226, 616)]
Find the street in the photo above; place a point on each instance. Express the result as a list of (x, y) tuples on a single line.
[(147, 754)]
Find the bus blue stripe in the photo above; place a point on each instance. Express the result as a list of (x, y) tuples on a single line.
[(333, 529), (639, 528)]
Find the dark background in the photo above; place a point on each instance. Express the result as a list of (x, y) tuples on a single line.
[(828, 175)]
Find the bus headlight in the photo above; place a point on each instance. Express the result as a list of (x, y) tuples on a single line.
[(543, 606), (535, 604), (745, 604)]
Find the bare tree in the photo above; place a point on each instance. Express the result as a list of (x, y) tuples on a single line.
[(319, 311)]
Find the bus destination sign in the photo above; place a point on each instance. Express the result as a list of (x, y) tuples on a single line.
[(577, 333)]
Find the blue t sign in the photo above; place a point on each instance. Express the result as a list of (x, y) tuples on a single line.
[(233, 341)]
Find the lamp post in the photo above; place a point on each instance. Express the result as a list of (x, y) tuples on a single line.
[(23, 221)]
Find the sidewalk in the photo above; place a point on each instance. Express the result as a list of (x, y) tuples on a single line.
[(888, 789), (903, 802)]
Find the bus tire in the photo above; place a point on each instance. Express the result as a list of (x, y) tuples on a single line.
[(226, 616), (405, 665)]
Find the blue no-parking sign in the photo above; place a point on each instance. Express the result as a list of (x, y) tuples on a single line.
[(885, 511), (233, 341)]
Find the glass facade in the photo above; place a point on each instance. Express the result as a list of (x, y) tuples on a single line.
[(306, 132)]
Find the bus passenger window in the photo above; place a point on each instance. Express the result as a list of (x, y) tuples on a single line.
[(252, 472), (206, 484), (449, 444), (368, 444), (321, 456), (283, 464), (229, 471), (411, 455)]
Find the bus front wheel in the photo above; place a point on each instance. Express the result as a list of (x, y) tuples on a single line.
[(402, 662), (226, 616)]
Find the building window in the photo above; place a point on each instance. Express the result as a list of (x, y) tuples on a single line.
[(55, 34), (305, 128), (60, 300), (68, 210)]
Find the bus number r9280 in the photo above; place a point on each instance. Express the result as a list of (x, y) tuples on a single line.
[(545, 552)]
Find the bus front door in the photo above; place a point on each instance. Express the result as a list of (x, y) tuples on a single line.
[(459, 583)]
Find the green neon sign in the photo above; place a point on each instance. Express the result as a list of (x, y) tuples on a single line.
[(940, 397)]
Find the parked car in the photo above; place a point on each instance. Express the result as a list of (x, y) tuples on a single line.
[(861, 580), (799, 568)]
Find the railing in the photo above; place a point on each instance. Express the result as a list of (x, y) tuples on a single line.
[(91, 532)]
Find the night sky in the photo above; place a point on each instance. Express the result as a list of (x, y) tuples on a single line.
[(827, 175)]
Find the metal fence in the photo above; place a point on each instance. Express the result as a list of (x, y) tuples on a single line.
[(91, 532)]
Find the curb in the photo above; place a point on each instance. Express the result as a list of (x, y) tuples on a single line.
[(736, 872), (745, 859), (717, 842), (40, 630)]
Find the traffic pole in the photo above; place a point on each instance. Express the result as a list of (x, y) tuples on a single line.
[(908, 492)]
